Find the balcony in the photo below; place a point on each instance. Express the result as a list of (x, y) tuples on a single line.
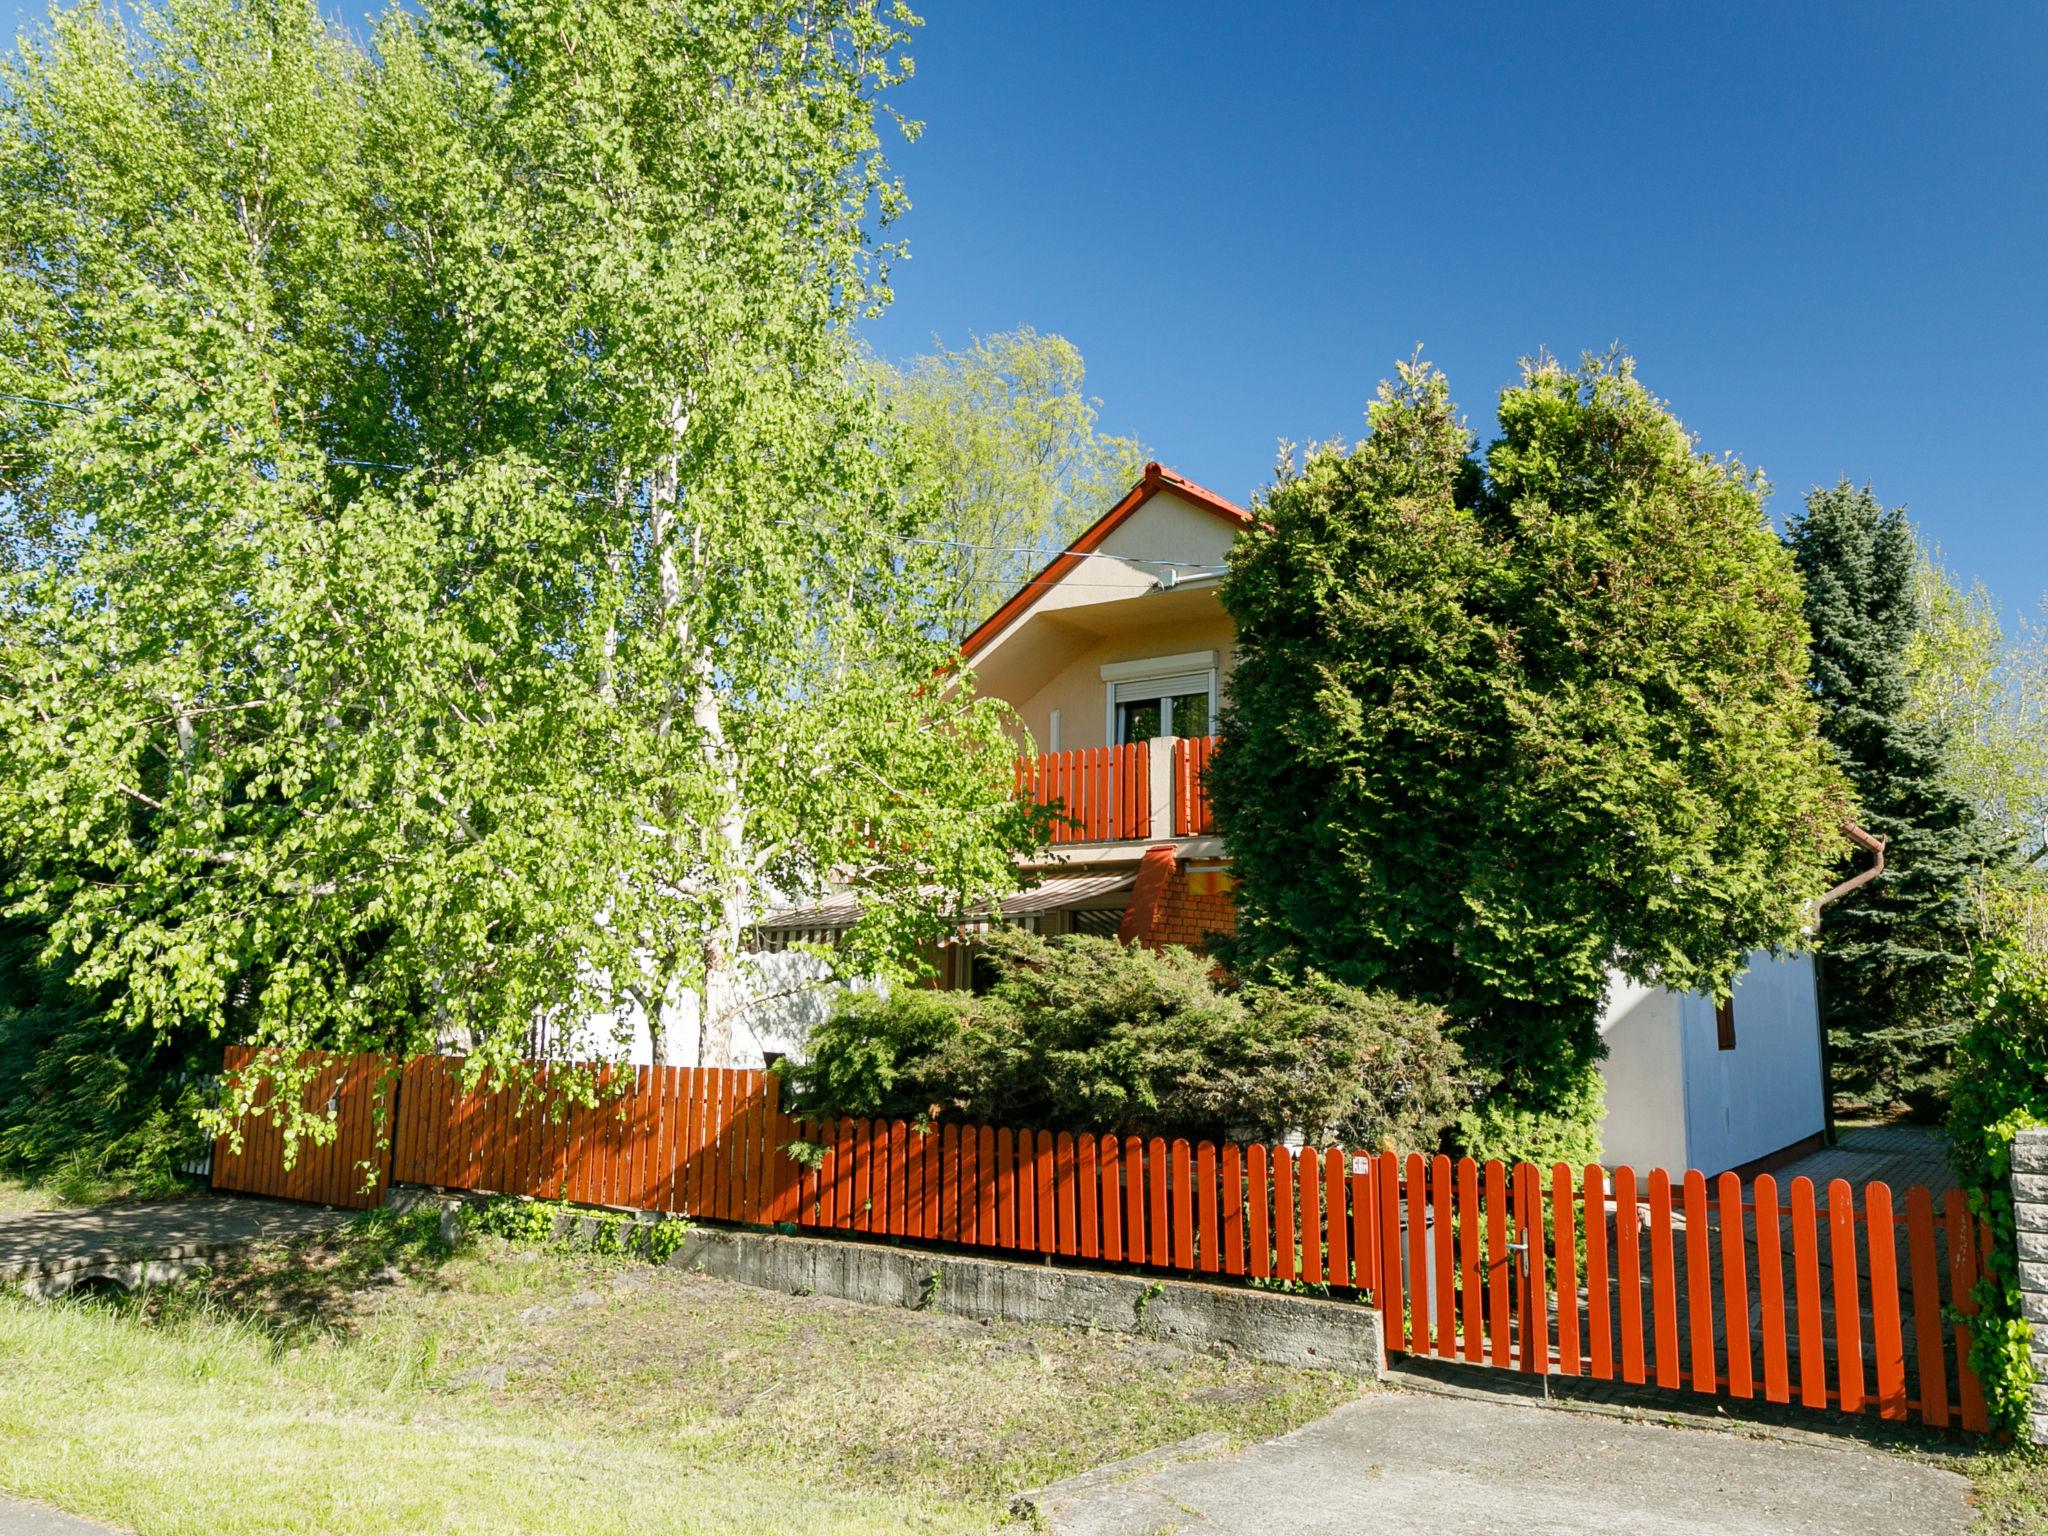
[(1144, 790)]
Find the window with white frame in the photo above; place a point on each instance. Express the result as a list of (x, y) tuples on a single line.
[(1161, 696)]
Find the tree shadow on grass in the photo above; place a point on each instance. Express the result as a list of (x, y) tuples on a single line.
[(300, 1289)]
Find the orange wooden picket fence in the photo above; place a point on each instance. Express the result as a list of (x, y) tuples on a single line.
[(676, 1139), (359, 1088), (1104, 793), (1736, 1289)]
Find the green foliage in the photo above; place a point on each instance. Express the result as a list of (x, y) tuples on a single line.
[(1983, 687), (1565, 1132), (88, 1108), (1085, 1033), (455, 570), (516, 1220), (560, 1226), (1007, 459), (1500, 725), (2000, 1089), (1897, 950)]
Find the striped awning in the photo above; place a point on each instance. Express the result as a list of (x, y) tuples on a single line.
[(819, 922)]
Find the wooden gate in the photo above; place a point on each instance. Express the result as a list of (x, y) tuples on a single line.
[(1748, 1292)]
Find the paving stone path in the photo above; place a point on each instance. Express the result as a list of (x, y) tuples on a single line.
[(47, 1252)]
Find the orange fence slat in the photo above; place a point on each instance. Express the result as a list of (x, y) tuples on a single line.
[(1205, 1208), (1393, 1303), (1159, 1246), (1930, 1358), (1848, 1310), (1533, 1293), (1963, 1272), (1770, 1291), (1088, 1186), (1364, 1224), (1308, 1185), (1887, 1338), (1281, 1163), (1135, 1249), (1443, 1227), (1699, 1283), (1183, 1204), (1663, 1284), (1735, 1285), (1813, 1381), (1499, 1264), (1628, 1275), (985, 1186), (1564, 1226), (1257, 1180), (1110, 1164), (1599, 1322), (1471, 1270)]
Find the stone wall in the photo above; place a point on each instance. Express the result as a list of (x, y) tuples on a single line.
[(2030, 1213)]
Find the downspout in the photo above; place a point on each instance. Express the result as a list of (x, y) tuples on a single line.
[(1875, 846)]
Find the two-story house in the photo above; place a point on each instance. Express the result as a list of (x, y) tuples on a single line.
[(1115, 657)]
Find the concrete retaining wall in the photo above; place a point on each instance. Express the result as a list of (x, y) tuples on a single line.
[(2030, 1213), (1265, 1325)]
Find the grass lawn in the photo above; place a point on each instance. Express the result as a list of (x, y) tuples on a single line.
[(2012, 1492), (374, 1384), (17, 1197), (71, 1188)]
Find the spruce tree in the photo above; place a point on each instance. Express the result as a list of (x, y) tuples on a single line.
[(1896, 951)]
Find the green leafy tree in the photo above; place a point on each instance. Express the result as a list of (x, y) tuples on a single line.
[(1500, 728), (1897, 950), (1009, 459), (1984, 687), (455, 570)]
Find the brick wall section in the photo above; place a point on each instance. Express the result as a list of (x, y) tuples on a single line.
[(1172, 904), (2030, 1213)]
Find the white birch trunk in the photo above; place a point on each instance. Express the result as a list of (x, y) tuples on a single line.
[(721, 989)]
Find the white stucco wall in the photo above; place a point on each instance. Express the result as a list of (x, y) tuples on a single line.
[(1766, 1093), (1675, 1100), (791, 990), (1645, 1122)]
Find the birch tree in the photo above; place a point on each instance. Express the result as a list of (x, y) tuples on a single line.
[(455, 570), (1010, 458)]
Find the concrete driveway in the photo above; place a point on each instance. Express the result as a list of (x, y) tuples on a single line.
[(1396, 1462), (20, 1519)]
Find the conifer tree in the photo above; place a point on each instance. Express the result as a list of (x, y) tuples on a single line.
[(1503, 727), (1896, 951)]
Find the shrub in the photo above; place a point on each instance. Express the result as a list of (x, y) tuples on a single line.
[(2000, 1088), (1085, 1033), (89, 1107)]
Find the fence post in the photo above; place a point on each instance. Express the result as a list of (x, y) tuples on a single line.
[(2030, 1217)]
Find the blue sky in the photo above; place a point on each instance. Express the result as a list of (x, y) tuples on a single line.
[(1822, 229)]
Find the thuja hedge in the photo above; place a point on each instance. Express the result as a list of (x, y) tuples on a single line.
[(2000, 1089), (1084, 1033)]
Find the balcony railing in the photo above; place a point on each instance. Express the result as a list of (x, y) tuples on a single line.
[(1191, 813), (1105, 793), (1108, 794)]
